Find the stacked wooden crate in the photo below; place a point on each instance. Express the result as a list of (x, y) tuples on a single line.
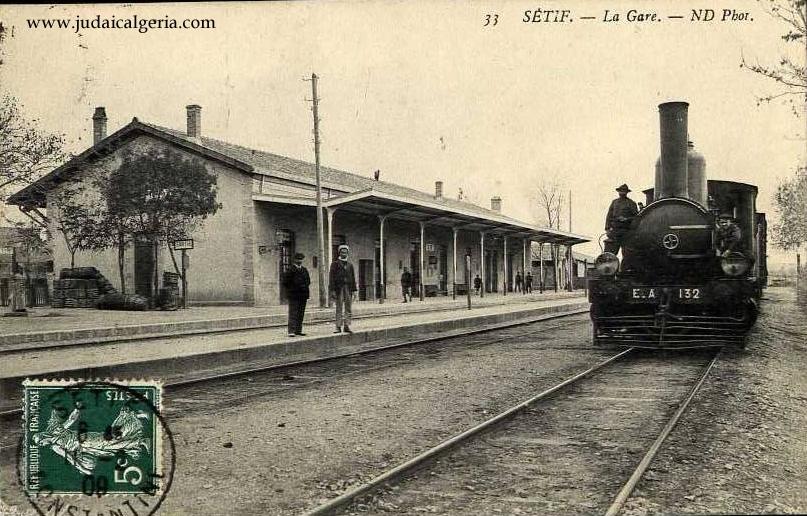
[(80, 287), (169, 294)]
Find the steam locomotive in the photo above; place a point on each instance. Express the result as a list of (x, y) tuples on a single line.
[(674, 287)]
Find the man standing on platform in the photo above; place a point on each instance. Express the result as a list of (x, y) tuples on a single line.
[(477, 284), (528, 283), (406, 285), (342, 287), (296, 282)]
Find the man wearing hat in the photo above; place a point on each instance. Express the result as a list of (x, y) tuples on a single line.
[(296, 282), (617, 223), (727, 234), (342, 287)]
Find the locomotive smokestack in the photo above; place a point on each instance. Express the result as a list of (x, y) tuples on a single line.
[(672, 182)]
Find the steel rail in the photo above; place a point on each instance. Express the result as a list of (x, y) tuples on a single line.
[(629, 486), (346, 498), (6, 414), (424, 340)]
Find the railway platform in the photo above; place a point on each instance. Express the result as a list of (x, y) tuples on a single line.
[(190, 347), (46, 327)]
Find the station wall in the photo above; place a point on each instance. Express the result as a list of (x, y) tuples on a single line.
[(220, 270)]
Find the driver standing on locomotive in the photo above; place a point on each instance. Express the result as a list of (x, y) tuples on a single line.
[(727, 235), (617, 222)]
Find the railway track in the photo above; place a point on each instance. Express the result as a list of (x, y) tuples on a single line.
[(209, 386), (539, 437)]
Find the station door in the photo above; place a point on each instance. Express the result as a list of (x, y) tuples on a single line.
[(143, 266), (491, 271), (365, 279), (285, 254)]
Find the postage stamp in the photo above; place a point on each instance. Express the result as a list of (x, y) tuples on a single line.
[(92, 438)]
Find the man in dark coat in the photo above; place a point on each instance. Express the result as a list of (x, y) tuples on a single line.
[(519, 282), (406, 285), (342, 288), (477, 284), (617, 222), (727, 235), (296, 282), (528, 283)]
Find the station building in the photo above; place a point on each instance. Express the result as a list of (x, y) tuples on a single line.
[(269, 213)]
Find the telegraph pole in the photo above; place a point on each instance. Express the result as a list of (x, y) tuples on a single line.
[(320, 231), (570, 263)]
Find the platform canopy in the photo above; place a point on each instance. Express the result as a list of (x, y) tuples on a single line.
[(466, 218)]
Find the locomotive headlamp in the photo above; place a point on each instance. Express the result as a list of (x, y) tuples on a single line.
[(607, 264), (734, 264)]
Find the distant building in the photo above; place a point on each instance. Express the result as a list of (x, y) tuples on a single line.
[(268, 214), (33, 267), (581, 262)]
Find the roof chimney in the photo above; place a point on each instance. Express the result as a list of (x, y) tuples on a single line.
[(98, 125), (496, 204), (438, 189), (194, 120)]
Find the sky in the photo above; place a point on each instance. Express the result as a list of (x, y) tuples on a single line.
[(423, 91)]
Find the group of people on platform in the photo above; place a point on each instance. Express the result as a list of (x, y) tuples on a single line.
[(522, 284), (342, 290)]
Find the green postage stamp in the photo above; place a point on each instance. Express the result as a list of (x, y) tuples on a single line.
[(92, 438)]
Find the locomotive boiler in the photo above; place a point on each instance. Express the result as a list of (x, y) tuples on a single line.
[(679, 284)]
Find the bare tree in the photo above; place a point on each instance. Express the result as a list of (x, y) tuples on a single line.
[(790, 232), (790, 76), (550, 197), (26, 153), (549, 200)]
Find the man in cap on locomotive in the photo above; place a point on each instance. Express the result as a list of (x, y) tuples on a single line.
[(727, 234), (617, 222), (342, 287)]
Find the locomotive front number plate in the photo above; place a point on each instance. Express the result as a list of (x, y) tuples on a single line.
[(654, 294)]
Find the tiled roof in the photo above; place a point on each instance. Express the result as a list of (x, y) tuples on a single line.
[(269, 164), (259, 162)]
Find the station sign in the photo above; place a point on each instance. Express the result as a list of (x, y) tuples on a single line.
[(185, 243)]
